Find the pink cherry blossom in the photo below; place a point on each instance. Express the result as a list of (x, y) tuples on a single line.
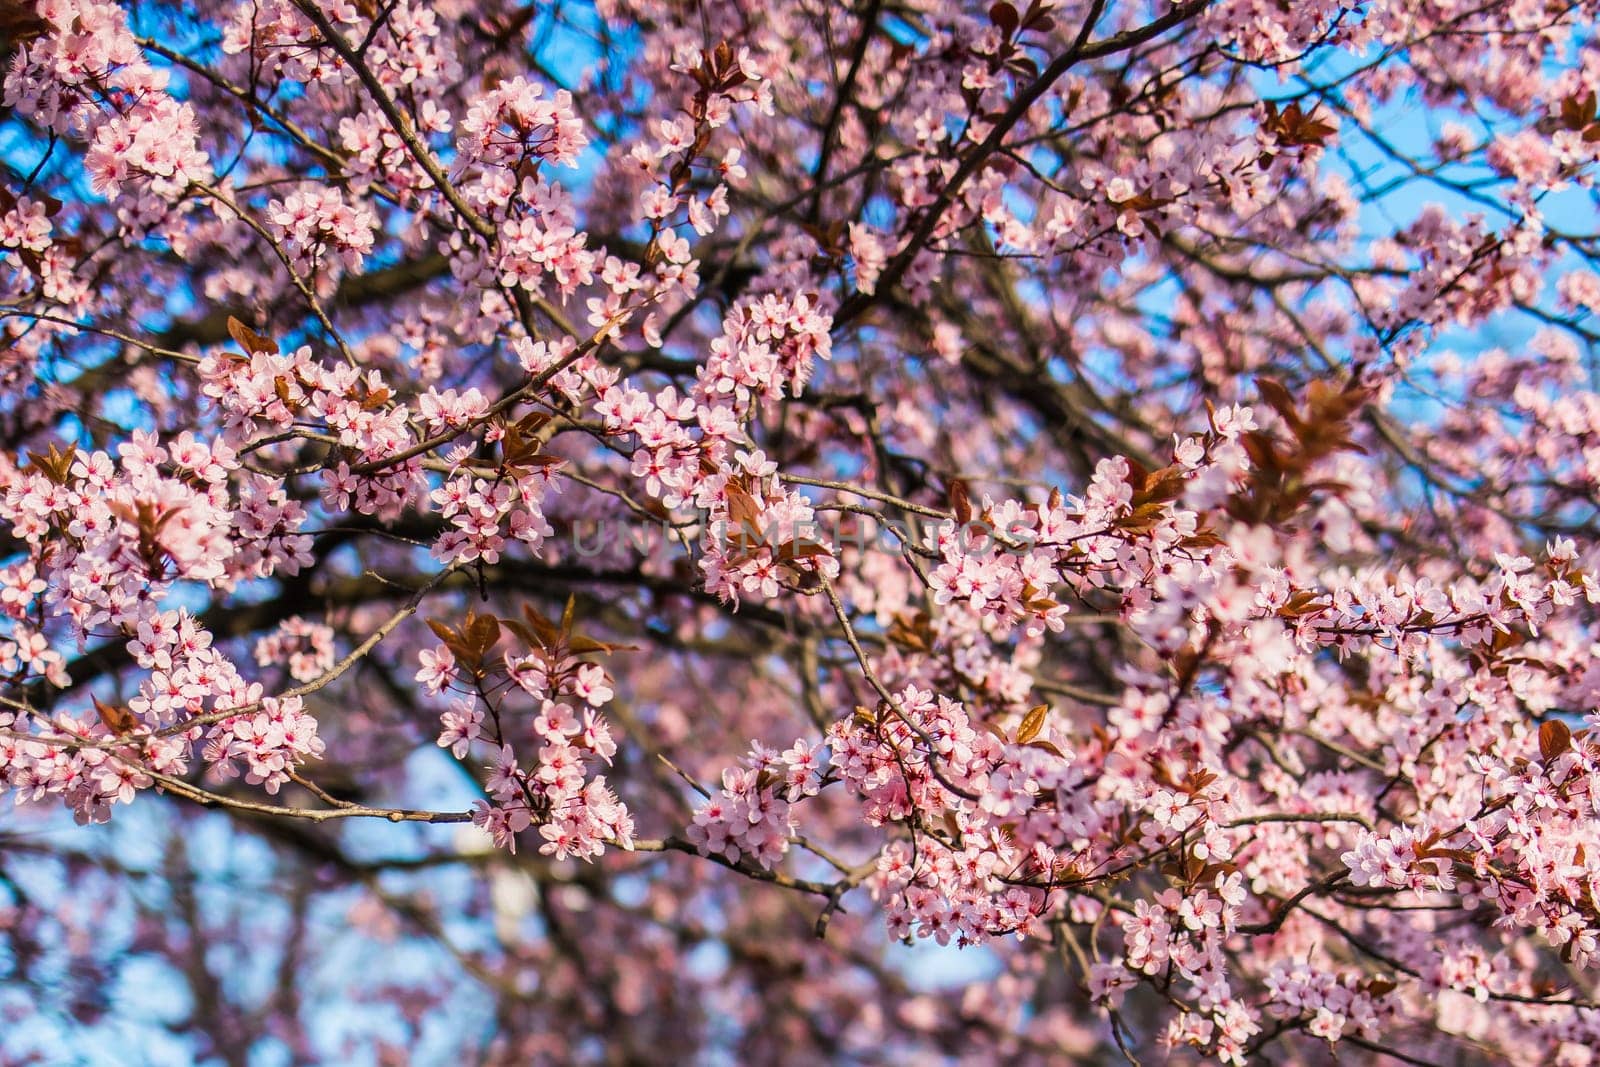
[(641, 511)]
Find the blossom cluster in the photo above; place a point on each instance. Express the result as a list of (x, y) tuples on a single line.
[(539, 776), (751, 816)]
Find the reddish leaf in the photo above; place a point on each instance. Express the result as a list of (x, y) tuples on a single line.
[(119, 720), (952, 824), (1005, 18), (1578, 111), (1282, 402), (960, 501), (795, 550), (581, 645), (1032, 723), (1554, 738), (1164, 485), (743, 510), (546, 633), (479, 633), (253, 343)]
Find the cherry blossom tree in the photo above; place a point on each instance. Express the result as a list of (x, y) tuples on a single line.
[(665, 531)]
